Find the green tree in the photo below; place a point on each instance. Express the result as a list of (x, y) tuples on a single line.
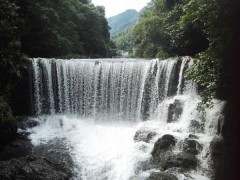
[(10, 64), (199, 28)]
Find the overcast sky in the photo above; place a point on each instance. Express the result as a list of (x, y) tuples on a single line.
[(114, 7)]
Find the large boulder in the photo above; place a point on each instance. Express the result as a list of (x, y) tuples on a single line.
[(192, 146), (163, 156), (8, 126), (174, 111), (162, 148), (166, 142), (144, 135), (161, 176)]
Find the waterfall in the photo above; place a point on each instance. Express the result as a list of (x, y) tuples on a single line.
[(105, 109), (129, 89)]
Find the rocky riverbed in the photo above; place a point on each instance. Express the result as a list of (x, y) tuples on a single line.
[(19, 159)]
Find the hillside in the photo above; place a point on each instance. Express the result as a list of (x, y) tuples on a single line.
[(122, 21)]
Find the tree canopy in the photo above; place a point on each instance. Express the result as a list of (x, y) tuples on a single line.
[(199, 28), (59, 28)]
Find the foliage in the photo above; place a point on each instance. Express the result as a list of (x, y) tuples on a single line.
[(213, 18), (123, 40), (160, 32), (10, 46), (59, 28), (199, 28)]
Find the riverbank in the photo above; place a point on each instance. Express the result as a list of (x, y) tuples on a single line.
[(19, 159)]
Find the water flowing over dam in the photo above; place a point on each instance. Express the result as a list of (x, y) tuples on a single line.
[(124, 89), (104, 109)]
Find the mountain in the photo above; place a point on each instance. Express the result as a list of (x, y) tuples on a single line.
[(123, 21)]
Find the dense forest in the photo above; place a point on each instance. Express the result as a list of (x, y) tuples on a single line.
[(47, 28)]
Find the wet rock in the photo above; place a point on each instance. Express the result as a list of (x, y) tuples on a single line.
[(164, 158), (175, 170), (32, 167), (161, 176), (144, 135), (192, 146), (19, 148), (219, 157), (220, 124), (50, 161), (164, 143), (182, 160), (174, 78), (144, 166), (195, 126), (162, 148), (192, 136), (28, 123), (174, 111)]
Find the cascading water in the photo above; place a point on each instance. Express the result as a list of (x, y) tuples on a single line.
[(98, 105), (124, 89)]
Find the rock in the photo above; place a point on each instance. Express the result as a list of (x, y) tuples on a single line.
[(161, 146), (164, 143), (21, 147), (192, 146), (29, 123), (161, 176), (8, 126), (192, 136), (150, 136), (174, 111), (182, 160), (32, 168), (50, 161), (220, 124), (144, 135), (144, 166), (195, 127), (219, 158)]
